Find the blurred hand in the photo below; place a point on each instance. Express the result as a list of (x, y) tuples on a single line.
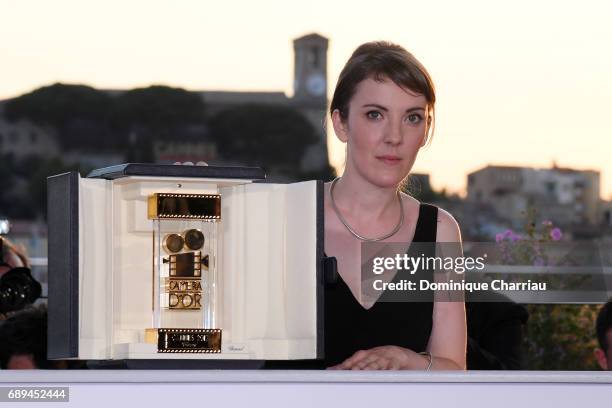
[(188, 163)]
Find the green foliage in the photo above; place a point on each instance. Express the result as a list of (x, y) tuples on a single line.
[(30, 174), (57, 104), (157, 107), (263, 134), (78, 113), (561, 337), (7, 182), (37, 180), (144, 115), (85, 117), (558, 336)]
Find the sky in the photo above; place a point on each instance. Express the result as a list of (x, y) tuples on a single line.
[(518, 83)]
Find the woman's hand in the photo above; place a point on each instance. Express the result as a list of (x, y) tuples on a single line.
[(384, 358)]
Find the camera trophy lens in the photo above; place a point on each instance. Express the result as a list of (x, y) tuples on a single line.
[(184, 288), (173, 243), (194, 239)]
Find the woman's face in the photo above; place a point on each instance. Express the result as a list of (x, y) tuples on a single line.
[(386, 127)]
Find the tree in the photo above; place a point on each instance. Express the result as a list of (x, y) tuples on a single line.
[(265, 135), (157, 107), (7, 182), (144, 115), (57, 104), (78, 112), (36, 178)]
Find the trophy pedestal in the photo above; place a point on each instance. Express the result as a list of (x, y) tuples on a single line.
[(185, 340), (148, 351)]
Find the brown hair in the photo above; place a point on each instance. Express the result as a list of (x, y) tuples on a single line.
[(380, 60)]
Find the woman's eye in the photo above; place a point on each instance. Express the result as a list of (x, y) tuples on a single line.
[(415, 118), (373, 115)]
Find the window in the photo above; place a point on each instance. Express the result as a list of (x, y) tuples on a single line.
[(580, 184), (314, 56)]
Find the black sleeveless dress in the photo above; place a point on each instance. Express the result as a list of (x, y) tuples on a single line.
[(349, 327)]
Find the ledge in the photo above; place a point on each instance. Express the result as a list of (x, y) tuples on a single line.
[(299, 376)]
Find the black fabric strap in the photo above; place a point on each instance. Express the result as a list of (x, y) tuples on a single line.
[(427, 224)]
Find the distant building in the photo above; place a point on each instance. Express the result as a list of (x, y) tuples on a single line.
[(566, 196), (23, 138)]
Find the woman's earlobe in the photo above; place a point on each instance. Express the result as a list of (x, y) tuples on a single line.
[(339, 126)]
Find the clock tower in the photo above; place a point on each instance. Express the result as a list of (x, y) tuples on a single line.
[(310, 75), (310, 95)]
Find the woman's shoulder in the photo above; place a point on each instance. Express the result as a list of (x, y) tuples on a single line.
[(448, 228)]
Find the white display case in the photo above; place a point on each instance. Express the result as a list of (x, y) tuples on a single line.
[(260, 265)]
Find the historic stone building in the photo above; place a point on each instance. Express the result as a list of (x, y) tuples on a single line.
[(567, 196)]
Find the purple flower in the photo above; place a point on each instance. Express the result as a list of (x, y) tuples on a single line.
[(515, 237), (499, 237), (555, 234), (508, 233)]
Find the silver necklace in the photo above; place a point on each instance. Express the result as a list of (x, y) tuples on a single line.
[(348, 227)]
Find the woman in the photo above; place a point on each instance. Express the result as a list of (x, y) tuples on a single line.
[(383, 109)]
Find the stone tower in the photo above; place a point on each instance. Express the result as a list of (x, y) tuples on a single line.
[(310, 93), (310, 75)]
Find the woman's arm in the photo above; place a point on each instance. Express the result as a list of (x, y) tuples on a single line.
[(447, 342)]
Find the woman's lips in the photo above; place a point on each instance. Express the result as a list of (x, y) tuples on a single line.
[(391, 160)]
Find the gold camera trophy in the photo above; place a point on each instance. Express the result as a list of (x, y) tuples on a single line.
[(184, 272)]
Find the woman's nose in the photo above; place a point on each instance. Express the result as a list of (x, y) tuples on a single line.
[(393, 134)]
